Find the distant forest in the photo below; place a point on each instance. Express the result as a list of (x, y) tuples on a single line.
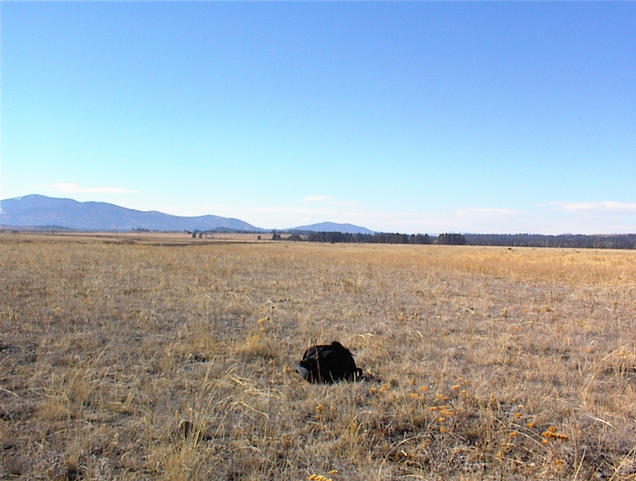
[(618, 241)]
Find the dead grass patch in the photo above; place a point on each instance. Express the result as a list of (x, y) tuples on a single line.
[(494, 364)]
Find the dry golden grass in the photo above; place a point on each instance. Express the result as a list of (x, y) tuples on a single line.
[(147, 358)]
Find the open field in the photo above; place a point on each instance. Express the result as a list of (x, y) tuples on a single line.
[(493, 363), (154, 238)]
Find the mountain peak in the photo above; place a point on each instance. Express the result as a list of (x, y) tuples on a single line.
[(334, 227)]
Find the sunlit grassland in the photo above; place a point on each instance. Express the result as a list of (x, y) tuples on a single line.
[(493, 363)]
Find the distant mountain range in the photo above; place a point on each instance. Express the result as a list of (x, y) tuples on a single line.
[(39, 211), (333, 227)]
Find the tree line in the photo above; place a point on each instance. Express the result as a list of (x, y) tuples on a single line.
[(617, 241), (376, 238), (614, 241)]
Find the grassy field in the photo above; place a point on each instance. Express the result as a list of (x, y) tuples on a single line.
[(164, 358)]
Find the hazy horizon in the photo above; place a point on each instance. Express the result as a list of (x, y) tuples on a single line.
[(399, 117)]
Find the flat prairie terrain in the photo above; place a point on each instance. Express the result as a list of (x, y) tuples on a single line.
[(144, 358)]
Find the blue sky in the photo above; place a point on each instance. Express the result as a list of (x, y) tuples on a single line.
[(408, 117)]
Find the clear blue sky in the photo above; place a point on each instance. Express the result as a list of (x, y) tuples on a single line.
[(409, 117)]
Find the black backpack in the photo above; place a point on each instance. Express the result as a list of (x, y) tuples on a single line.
[(328, 363)]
